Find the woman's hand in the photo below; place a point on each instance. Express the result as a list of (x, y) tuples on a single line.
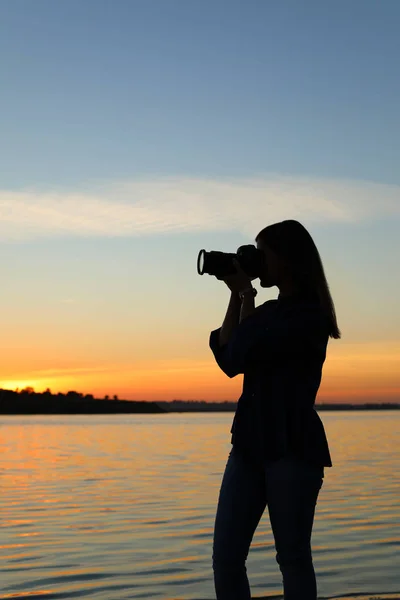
[(238, 281)]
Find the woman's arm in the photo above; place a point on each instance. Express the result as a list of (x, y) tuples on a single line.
[(248, 307), (231, 319), (237, 311)]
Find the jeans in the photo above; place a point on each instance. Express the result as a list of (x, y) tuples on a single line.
[(289, 487)]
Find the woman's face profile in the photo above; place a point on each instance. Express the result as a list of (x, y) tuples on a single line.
[(273, 266)]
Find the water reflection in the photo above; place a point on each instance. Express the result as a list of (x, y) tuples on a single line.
[(123, 506)]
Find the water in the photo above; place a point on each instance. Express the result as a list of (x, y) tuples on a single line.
[(111, 507)]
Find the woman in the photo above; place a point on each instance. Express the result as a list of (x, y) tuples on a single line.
[(279, 448)]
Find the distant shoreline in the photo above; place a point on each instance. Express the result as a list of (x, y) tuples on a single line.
[(199, 406), (46, 403)]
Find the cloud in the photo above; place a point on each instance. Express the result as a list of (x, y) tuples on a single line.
[(171, 204)]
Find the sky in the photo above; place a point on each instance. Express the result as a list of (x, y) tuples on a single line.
[(135, 133)]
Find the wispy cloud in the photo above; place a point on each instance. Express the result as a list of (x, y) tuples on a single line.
[(142, 207)]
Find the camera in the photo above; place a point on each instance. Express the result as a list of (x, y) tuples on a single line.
[(220, 264)]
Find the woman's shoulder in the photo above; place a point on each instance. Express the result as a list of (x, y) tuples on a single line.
[(304, 307), (265, 306)]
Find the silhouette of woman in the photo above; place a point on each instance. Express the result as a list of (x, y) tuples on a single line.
[(279, 447)]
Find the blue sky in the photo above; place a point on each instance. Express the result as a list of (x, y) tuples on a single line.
[(97, 89), (134, 133)]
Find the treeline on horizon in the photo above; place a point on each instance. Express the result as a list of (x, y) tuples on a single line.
[(27, 401)]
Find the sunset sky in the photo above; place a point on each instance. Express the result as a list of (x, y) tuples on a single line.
[(136, 132)]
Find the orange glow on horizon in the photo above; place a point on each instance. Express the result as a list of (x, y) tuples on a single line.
[(39, 385), (366, 372)]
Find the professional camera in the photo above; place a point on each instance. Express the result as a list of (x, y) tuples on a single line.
[(220, 264)]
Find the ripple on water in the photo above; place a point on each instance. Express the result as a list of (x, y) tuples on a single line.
[(105, 507)]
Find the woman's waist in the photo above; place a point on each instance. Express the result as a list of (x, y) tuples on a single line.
[(292, 395)]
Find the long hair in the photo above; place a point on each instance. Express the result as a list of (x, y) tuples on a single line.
[(290, 240)]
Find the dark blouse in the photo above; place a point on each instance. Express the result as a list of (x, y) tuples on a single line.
[(280, 350)]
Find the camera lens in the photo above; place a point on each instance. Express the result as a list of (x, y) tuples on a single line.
[(200, 262)]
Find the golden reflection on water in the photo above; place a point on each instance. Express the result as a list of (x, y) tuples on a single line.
[(124, 505)]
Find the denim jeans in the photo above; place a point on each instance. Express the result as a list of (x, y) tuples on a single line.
[(289, 487)]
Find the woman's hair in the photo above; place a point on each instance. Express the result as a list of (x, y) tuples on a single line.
[(291, 241)]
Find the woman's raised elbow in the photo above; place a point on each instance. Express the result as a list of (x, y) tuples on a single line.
[(232, 370)]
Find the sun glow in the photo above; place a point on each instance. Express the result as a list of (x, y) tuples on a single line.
[(39, 385)]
